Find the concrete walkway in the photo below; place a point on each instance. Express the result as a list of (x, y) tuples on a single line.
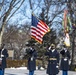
[(9, 71)]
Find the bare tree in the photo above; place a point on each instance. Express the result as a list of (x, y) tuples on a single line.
[(15, 38), (8, 9)]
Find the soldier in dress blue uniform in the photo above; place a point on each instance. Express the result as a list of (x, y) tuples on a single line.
[(32, 60), (3, 56), (53, 60), (64, 65)]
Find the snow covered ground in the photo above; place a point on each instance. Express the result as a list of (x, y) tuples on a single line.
[(24, 71)]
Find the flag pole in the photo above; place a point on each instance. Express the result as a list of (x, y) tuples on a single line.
[(35, 16)]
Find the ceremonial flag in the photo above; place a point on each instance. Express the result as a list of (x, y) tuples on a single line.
[(65, 21), (67, 40), (38, 29), (66, 28)]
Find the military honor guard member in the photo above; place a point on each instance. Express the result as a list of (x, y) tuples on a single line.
[(53, 60), (3, 56), (32, 60), (64, 65)]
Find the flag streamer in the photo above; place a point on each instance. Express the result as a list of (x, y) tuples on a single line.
[(66, 28), (67, 40)]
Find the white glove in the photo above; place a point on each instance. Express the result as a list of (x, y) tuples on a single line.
[(57, 66), (69, 61), (65, 59), (2, 55), (31, 58)]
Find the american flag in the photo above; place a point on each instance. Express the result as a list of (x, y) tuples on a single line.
[(38, 29)]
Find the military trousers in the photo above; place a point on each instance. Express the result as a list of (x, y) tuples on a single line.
[(64, 72), (31, 72), (52, 74), (2, 71)]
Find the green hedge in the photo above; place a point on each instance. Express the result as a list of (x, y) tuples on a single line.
[(20, 63), (16, 63)]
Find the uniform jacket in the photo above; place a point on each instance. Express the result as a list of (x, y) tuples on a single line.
[(64, 65), (32, 60), (53, 60), (5, 53)]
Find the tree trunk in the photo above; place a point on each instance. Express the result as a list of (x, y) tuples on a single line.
[(1, 33)]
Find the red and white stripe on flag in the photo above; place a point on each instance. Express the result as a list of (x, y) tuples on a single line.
[(38, 29)]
